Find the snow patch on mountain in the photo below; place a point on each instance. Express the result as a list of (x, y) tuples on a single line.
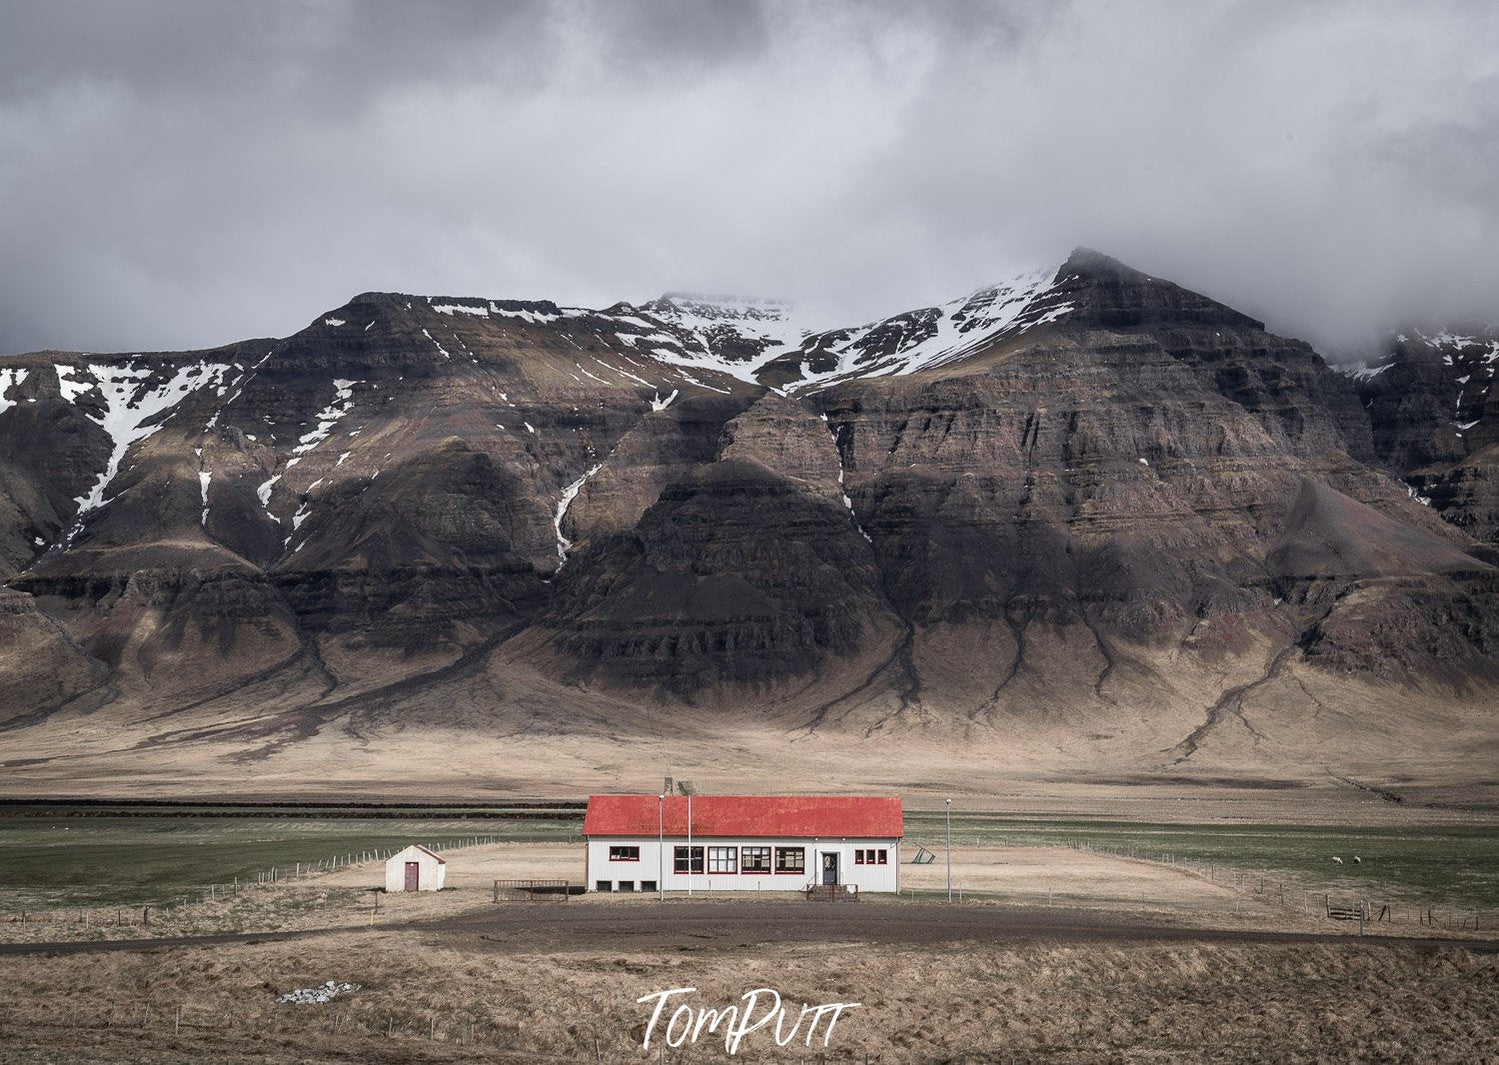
[(1361, 370), (569, 493), (263, 492), (70, 386), (933, 336), (460, 308), (842, 488), (536, 314), (724, 334), (336, 411), (659, 404), (131, 395), (1469, 361), (9, 378), (435, 344)]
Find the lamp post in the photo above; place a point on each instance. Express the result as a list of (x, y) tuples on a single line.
[(661, 847), (949, 850)]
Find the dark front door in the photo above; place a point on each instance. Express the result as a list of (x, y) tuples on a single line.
[(830, 868), (413, 876)]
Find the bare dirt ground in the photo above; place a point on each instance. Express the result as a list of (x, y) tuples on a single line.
[(736, 922), (987, 874), (1054, 886), (1041, 879), (1131, 961), (1415, 756)]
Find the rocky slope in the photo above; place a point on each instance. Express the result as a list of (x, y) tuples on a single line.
[(1434, 411), (1082, 503)]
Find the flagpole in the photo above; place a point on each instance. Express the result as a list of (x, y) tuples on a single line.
[(949, 850)]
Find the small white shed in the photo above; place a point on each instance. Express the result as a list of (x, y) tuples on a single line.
[(414, 869)]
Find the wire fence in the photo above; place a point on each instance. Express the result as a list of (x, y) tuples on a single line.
[(1280, 892), (1290, 895), (141, 914)]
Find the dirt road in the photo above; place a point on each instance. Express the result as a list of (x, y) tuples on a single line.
[(675, 924)]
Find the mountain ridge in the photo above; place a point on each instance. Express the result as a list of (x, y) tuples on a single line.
[(1081, 502)]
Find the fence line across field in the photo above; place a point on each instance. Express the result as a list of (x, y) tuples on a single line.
[(1289, 895), (532, 890), (119, 915), (1312, 900)]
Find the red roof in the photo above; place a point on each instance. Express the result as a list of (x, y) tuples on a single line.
[(746, 815)]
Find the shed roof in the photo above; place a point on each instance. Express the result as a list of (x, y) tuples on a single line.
[(417, 847), (746, 815)]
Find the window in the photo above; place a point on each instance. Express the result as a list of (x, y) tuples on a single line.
[(601, 885), (723, 859), (859, 856), (624, 854), (685, 864), (647, 885), (880, 854), (754, 859), (791, 859), (627, 885)]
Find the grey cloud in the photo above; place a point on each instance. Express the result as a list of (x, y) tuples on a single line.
[(182, 174)]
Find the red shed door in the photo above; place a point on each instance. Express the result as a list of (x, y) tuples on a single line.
[(413, 876)]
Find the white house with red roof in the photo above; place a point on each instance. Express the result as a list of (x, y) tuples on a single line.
[(742, 842)]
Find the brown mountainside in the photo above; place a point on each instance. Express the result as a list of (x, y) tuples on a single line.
[(1084, 520)]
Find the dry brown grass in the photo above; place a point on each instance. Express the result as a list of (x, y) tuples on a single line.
[(1220, 1003), (504, 735), (342, 899), (982, 875)]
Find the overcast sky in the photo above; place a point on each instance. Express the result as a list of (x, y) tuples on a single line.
[(181, 174)]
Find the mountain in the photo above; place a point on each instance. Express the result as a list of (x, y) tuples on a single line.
[(1080, 521), (1434, 413)]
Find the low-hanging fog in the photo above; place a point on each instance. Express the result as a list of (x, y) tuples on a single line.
[(181, 174)]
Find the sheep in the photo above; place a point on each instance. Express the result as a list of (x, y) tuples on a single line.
[(1338, 860), (1357, 860)]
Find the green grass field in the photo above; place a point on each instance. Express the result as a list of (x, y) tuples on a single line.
[(1453, 865), (67, 855), (61, 856)]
